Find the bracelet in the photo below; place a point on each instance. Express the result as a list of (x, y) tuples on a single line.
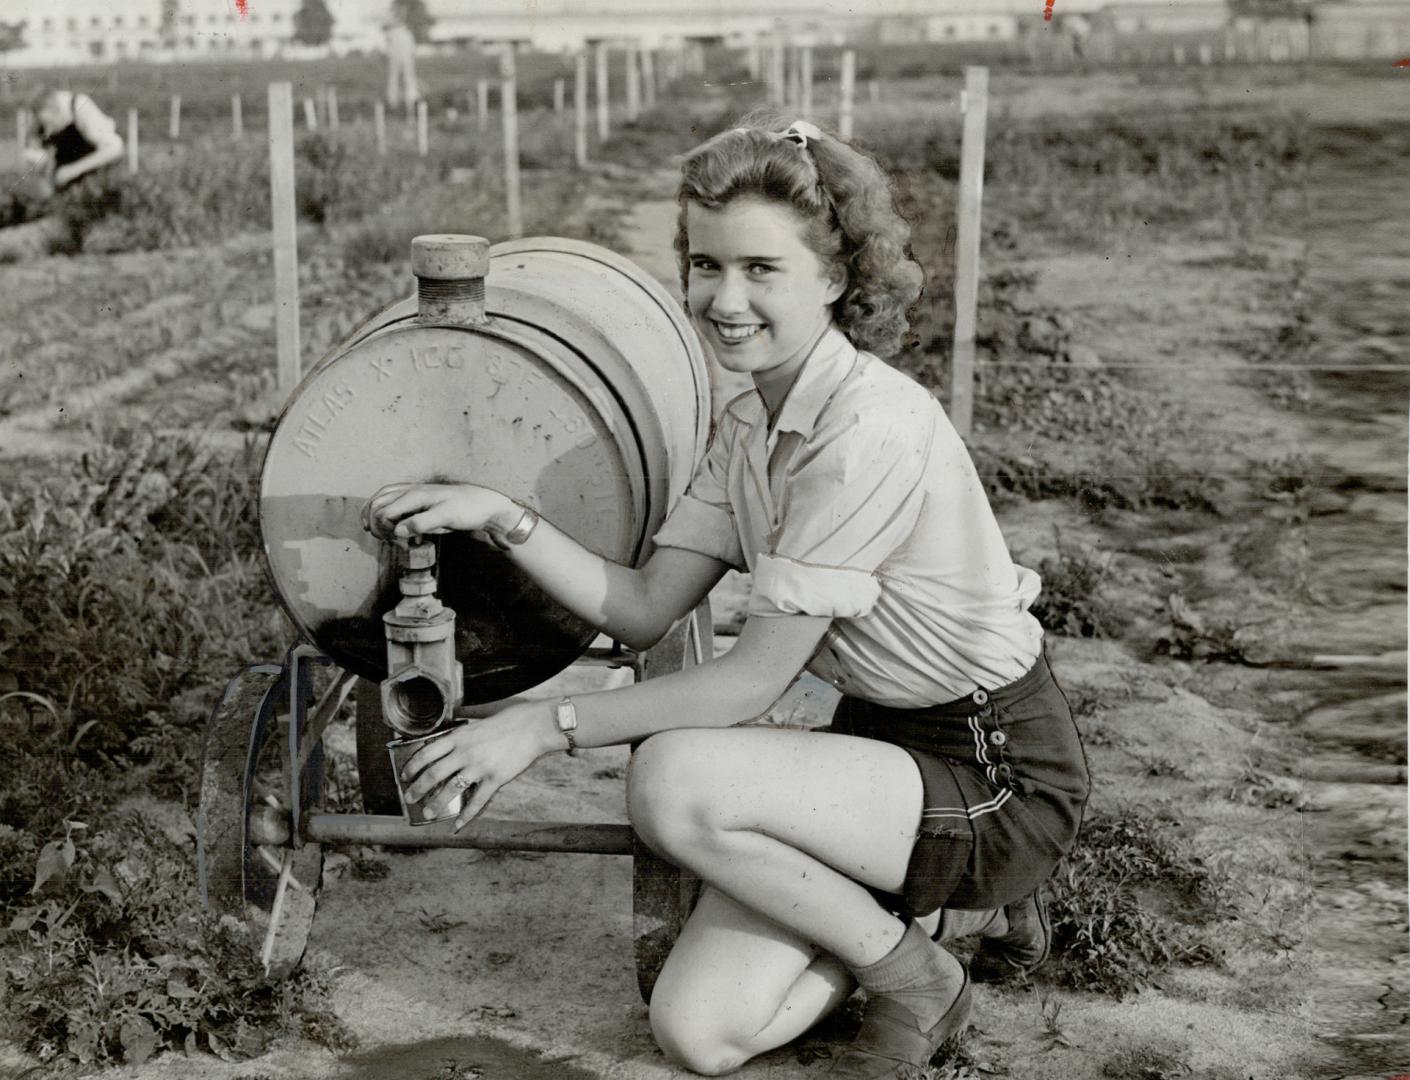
[(523, 529)]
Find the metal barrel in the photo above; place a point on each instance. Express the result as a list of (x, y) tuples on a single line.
[(565, 377)]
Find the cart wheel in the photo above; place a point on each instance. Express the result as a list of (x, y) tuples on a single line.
[(374, 765), (272, 889), (663, 893)]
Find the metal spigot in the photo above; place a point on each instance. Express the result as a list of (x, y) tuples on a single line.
[(424, 684)]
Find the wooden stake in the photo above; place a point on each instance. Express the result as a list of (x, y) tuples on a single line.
[(976, 110), (805, 68), (849, 83), (310, 114), (648, 76), (286, 251), (423, 142), (509, 112), (482, 102), (633, 84), (174, 127), (558, 97), (237, 117), (580, 110), (379, 125), (604, 123), (332, 108), (132, 158)]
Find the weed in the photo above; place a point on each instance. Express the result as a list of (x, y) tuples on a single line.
[(1254, 787), (1108, 934), (1071, 602), (437, 922), (1051, 1009), (106, 961), (1193, 637)]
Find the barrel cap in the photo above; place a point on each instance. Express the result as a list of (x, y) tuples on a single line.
[(450, 256)]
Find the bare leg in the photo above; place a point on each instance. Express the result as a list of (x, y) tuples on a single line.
[(783, 825), (737, 984), (791, 824)]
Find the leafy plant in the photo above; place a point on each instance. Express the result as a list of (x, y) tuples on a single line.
[(1131, 899), (109, 961), (1072, 602)]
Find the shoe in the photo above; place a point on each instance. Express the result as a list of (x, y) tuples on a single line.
[(1022, 949), (891, 1037)]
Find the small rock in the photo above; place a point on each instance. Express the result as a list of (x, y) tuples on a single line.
[(1082, 356)]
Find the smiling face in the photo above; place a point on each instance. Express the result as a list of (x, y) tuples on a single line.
[(759, 295)]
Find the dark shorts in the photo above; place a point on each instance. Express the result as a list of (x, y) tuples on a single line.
[(1005, 782)]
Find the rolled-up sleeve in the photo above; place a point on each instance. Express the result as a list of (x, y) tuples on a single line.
[(852, 496), (702, 520)]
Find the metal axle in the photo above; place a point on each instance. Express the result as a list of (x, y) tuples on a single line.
[(269, 826)]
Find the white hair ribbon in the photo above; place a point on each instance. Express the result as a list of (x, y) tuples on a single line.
[(800, 131)]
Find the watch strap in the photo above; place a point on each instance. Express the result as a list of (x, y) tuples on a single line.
[(565, 714)]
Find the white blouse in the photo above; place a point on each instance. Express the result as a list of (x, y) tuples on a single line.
[(862, 504)]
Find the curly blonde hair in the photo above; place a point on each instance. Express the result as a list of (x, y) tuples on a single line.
[(845, 201)]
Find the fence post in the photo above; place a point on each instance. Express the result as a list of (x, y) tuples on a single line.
[(805, 76), (174, 126), (332, 108), (777, 89), (286, 252), (580, 110), (310, 114), (379, 125), (976, 109), (604, 122), (132, 158), (237, 118), (633, 84), (557, 97), (849, 84), (423, 143), (795, 76), (509, 112), (482, 102), (648, 77)]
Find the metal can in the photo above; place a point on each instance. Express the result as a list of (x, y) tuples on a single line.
[(401, 751)]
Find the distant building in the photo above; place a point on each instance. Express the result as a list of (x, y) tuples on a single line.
[(956, 27), (1355, 30), (1185, 17), (101, 31)]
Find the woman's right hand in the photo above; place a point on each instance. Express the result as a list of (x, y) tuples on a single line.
[(406, 511)]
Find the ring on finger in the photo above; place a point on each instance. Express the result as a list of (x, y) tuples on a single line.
[(461, 782)]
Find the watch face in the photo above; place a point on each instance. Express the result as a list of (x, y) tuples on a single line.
[(567, 716)]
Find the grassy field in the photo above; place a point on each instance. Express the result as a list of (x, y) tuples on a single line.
[(1150, 430)]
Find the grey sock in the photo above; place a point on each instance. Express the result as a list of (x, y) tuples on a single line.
[(918, 974)]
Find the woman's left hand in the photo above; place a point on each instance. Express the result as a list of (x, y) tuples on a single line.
[(483, 755)]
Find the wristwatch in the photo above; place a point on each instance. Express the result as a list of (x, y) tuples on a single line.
[(566, 716)]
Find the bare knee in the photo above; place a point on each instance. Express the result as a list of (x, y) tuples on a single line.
[(664, 792), (689, 1042)]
